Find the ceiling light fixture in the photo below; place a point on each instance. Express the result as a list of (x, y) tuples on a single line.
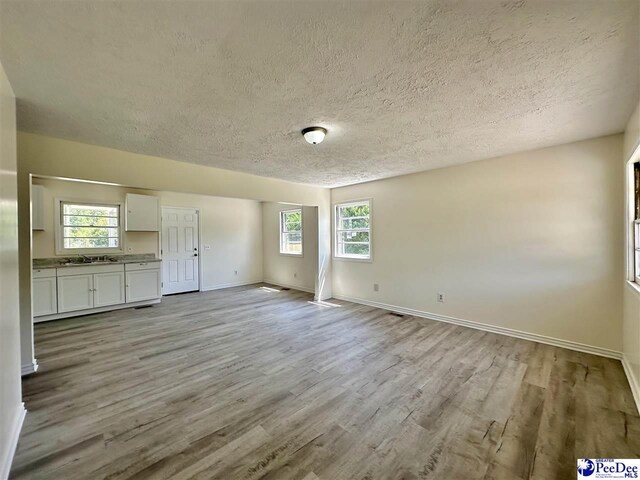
[(314, 135)]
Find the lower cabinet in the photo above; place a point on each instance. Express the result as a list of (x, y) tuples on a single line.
[(143, 283), (108, 289), (79, 289), (45, 296), (75, 292)]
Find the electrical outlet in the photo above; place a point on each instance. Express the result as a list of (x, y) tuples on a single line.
[(236, 272), (376, 287), (441, 297)]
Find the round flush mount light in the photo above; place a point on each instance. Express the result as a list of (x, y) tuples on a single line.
[(314, 135)]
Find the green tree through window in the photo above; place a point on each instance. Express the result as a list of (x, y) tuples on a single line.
[(291, 232), (87, 226), (353, 230)]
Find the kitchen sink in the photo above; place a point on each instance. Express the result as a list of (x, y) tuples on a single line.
[(89, 261), (100, 262)]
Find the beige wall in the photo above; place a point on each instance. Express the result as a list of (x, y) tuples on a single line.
[(53, 157), (632, 133), (529, 242), (288, 270), (631, 321), (11, 410), (232, 228), (44, 240)]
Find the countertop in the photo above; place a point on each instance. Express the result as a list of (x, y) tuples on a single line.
[(64, 262)]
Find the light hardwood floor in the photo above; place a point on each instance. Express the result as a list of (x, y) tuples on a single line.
[(247, 383)]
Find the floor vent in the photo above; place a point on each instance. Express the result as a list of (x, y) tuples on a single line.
[(285, 288), (397, 314)]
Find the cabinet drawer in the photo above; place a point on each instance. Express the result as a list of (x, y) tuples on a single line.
[(89, 269), (132, 267), (44, 272)]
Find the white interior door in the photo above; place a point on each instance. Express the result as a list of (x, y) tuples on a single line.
[(180, 250)]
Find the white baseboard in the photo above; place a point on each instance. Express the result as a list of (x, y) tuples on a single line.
[(12, 444), (293, 287), (634, 383), (534, 337), (229, 285), (30, 368)]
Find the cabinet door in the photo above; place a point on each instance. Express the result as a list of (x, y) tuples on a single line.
[(143, 213), (108, 289), (143, 285), (37, 207), (75, 292), (45, 301)]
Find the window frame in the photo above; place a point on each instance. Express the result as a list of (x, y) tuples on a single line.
[(336, 230), (59, 228), (281, 214), (632, 224)]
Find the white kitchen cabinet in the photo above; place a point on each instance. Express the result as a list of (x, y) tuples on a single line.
[(85, 289), (37, 207), (75, 292), (142, 213), (143, 285), (108, 289), (45, 295)]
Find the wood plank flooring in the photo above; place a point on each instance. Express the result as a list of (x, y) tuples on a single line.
[(248, 383)]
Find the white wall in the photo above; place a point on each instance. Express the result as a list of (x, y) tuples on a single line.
[(631, 302), (11, 409), (529, 242), (288, 270), (231, 227)]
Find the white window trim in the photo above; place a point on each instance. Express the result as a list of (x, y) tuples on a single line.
[(59, 243), (334, 230), (280, 232), (632, 280)]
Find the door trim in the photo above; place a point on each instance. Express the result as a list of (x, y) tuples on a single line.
[(197, 209)]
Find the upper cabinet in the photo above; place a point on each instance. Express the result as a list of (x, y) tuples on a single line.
[(142, 213), (37, 207)]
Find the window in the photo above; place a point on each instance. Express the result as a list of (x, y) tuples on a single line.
[(635, 219), (353, 230), (291, 232), (88, 227)]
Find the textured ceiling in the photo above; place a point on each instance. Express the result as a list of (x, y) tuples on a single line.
[(401, 86)]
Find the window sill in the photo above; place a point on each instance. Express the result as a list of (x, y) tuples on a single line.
[(349, 259), (296, 255), (633, 286)]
